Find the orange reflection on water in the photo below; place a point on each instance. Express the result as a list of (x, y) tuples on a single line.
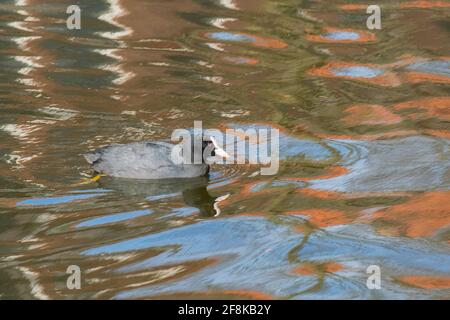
[(362, 36), (417, 77), (426, 282), (368, 73), (438, 133), (308, 269), (391, 74), (268, 42), (322, 218), (366, 114), (415, 110), (425, 108), (251, 39), (425, 4), (421, 216), (351, 6)]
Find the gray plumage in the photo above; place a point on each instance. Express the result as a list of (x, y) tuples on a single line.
[(142, 160)]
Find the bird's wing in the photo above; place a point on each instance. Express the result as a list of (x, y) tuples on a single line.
[(134, 158)]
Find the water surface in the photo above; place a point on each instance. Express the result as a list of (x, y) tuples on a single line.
[(364, 144)]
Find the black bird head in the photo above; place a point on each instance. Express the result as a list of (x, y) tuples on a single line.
[(210, 148)]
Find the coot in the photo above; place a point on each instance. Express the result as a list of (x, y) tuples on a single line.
[(155, 160)]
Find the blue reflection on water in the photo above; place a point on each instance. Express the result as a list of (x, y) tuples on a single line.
[(342, 35), (416, 163), (114, 218), (229, 36), (289, 146), (238, 243), (56, 200), (357, 72), (180, 212), (436, 67), (282, 183)]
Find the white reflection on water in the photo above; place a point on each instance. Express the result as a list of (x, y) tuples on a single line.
[(30, 62), (115, 12), (221, 22), (229, 4)]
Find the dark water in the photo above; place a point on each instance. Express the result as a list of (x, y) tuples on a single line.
[(365, 172)]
